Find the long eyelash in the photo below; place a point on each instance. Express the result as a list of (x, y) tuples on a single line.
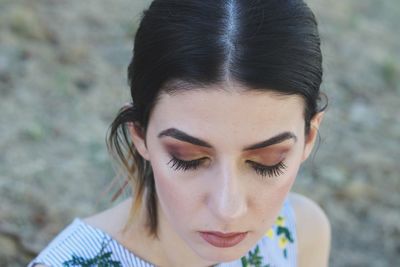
[(269, 171), (178, 164)]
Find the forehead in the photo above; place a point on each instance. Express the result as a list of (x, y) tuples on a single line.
[(214, 112)]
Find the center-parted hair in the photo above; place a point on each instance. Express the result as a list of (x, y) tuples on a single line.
[(264, 45)]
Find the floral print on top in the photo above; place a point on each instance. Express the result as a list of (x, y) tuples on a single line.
[(283, 237), (81, 245), (102, 259)]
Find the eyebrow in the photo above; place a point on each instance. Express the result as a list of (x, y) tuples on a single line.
[(182, 136)]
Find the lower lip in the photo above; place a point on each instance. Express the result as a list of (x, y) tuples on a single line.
[(223, 242)]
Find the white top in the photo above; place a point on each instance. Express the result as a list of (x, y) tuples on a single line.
[(81, 245)]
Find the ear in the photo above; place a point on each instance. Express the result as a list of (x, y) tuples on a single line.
[(138, 139), (312, 135)]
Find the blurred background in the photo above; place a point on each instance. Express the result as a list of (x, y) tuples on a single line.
[(63, 78)]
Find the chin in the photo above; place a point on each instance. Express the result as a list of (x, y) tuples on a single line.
[(225, 255), (218, 255)]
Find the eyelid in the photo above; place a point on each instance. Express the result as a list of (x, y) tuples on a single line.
[(188, 160), (269, 152), (268, 159), (184, 151), (263, 165)]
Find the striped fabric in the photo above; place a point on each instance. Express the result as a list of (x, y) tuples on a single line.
[(80, 243)]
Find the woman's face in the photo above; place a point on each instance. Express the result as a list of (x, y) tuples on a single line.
[(223, 161)]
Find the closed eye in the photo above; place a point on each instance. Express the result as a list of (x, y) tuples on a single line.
[(270, 171), (178, 164)]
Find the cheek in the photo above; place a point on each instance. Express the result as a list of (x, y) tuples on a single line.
[(269, 201), (176, 200)]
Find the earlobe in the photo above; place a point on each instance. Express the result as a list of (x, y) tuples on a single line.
[(138, 139), (312, 135)]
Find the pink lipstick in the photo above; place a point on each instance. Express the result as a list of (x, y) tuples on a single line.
[(223, 240)]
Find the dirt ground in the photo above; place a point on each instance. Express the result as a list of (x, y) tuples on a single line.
[(63, 78)]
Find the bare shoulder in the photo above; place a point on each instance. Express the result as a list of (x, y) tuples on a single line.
[(111, 220), (313, 232)]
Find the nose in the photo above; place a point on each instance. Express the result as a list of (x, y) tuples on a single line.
[(228, 199)]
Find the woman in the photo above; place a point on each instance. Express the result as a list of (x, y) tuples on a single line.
[(225, 108)]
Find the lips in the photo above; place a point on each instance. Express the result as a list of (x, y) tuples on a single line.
[(223, 240)]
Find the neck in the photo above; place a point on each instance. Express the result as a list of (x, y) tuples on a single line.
[(169, 249)]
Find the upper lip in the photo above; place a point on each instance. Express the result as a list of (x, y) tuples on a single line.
[(224, 235)]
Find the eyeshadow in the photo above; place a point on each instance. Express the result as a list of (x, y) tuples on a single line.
[(184, 151), (268, 156)]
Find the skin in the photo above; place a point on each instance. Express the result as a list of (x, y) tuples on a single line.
[(313, 233), (224, 193)]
